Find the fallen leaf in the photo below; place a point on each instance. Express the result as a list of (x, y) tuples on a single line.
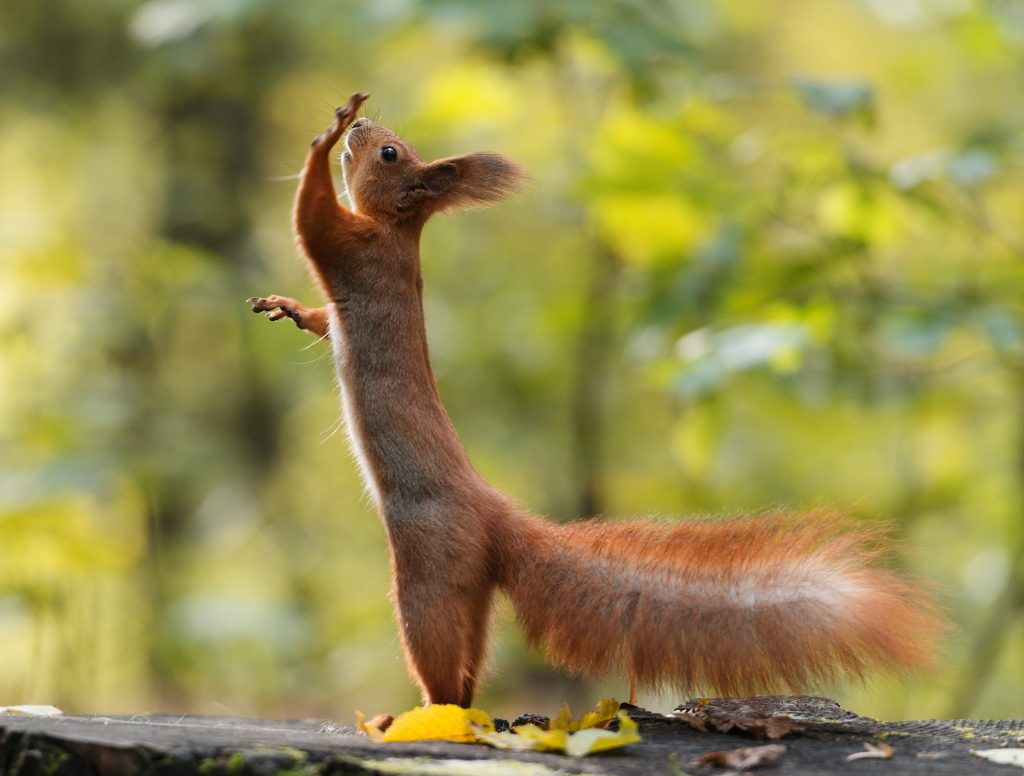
[(506, 739), (873, 752), (577, 744), (375, 734), (440, 722), (1008, 756), (607, 710), (594, 739), (437, 722), (528, 737), (744, 757), (34, 711)]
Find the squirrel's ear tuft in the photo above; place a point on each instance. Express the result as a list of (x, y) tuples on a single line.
[(473, 179)]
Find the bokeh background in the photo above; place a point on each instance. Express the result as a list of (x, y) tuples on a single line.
[(772, 255)]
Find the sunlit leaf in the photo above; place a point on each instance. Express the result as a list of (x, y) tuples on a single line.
[(648, 230), (528, 738), (438, 722), (1008, 756), (582, 742), (607, 710), (472, 93), (856, 212), (33, 711), (594, 739), (375, 733)]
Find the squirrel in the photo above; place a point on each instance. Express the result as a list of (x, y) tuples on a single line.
[(738, 606)]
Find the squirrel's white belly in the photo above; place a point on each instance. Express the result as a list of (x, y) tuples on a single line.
[(355, 440)]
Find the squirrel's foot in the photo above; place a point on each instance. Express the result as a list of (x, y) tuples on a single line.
[(278, 307), (342, 118)]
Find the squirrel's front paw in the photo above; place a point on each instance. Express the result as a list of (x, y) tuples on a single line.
[(342, 118), (278, 307)]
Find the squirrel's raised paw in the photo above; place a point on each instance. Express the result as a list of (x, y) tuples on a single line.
[(342, 118), (278, 307)]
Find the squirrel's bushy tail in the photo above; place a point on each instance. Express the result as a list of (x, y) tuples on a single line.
[(735, 607)]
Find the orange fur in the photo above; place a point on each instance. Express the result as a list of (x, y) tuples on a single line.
[(735, 606)]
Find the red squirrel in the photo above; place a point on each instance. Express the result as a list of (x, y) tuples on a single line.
[(738, 606)]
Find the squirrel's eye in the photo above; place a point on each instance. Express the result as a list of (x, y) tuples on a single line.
[(389, 154)]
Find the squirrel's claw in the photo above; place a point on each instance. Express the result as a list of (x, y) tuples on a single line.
[(342, 118), (276, 307), (351, 107)]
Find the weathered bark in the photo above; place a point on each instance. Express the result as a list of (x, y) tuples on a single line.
[(176, 745)]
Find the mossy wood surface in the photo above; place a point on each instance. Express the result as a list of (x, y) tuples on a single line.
[(173, 745)]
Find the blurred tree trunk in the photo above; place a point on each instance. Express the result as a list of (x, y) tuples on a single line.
[(590, 382), (1007, 607)]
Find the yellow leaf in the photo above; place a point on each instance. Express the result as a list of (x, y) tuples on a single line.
[(578, 744), (543, 740), (527, 738), (563, 720), (453, 723), (594, 740), (439, 722), (361, 725), (600, 717), (607, 709)]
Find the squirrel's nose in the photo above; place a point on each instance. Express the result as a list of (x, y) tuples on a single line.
[(360, 123)]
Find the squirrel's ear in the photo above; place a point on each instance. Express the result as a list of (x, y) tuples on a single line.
[(473, 179)]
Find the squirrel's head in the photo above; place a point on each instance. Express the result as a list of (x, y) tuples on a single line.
[(386, 178)]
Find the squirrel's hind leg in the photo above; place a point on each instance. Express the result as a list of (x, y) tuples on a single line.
[(477, 647), (443, 640)]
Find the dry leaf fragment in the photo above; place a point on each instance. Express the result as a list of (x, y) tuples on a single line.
[(873, 752), (32, 710), (744, 757), (368, 728), (1007, 756), (529, 738), (606, 711), (577, 744), (595, 739)]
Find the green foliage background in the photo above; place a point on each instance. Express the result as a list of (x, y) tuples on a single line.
[(773, 255)]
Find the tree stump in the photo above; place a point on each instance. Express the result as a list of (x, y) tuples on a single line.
[(824, 735)]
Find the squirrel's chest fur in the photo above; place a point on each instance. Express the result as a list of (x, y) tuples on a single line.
[(410, 458)]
